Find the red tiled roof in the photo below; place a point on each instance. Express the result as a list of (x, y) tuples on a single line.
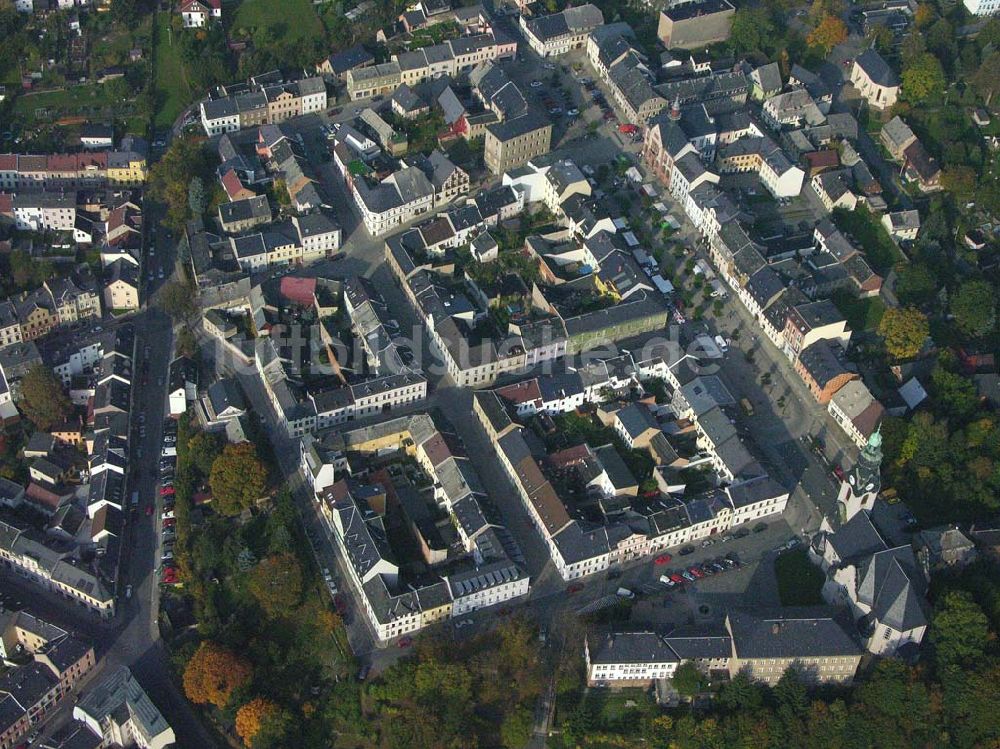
[(6, 204), (31, 163), (61, 162), (231, 183), (521, 392), (8, 162), (42, 496), (299, 290), (821, 159)]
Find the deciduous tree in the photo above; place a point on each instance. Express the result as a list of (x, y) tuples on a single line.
[(177, 299), (923, 78), (974, 307), (213, 673), (986, 80), (238, 479), (960, 181), (903, 331), (276, 583), (204, 448), (170, 177), (43, 399), (688, 679), (829, 32), (250, 718), (959, 631)]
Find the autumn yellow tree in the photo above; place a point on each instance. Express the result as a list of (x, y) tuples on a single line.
[(903, 331), (238, 479), (213, 673), (924, 15), (250, 718), (829, 32)]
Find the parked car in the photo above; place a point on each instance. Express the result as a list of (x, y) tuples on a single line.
[(167, 491), (688, 576), (760, 528), (663, 559), (169, 576), (694, 570), (687, 550), (741, 533), (678, 578), (169, 522), (405, 642), (667, 581)]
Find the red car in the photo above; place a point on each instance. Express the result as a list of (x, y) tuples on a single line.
[(677, 578), (340, 604), (663, 559), (406, 642), (574, 588), (627, 128), (696, 571), (169, 522), (838, 472), (149, 510), (169, 576), (167, 491)]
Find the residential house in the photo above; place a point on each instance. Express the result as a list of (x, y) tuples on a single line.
[(857, 411), (902, 225), (896, 136), (558, 33), (121, 290)]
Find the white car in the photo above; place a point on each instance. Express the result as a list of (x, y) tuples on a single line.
[(536, 84)]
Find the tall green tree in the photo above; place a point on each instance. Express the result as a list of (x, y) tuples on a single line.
[(276, 583), (959, 631), (974, 307), (923, 78), (689, 680)]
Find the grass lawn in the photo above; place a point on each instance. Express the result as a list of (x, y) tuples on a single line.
[(799, 580), (286, 20), (861, 314), (172, 90), (70, 99)]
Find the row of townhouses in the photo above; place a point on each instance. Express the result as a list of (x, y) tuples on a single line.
[(358, 501), (265, 99), (636, 526), (124, 167), (451, 58), (76, 551)]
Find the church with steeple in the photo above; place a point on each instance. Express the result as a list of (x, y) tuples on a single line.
[(861, 486), (883, 585)]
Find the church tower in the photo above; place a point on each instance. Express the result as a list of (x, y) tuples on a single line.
[(861, 486)]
